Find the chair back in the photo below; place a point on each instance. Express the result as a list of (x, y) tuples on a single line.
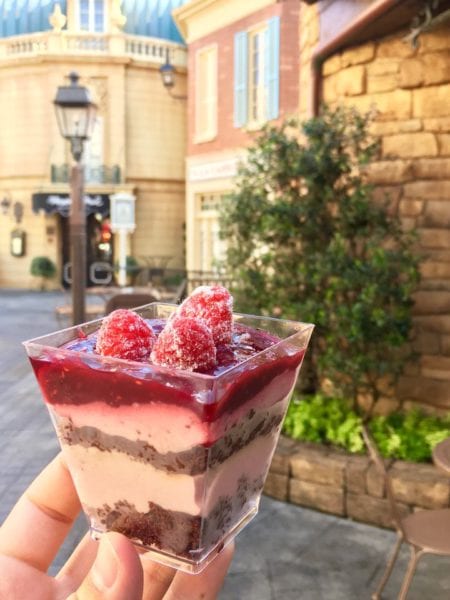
[(379, 463), (128, 301)]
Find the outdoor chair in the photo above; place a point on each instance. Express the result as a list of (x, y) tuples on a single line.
[(128, 301), (426, 531)]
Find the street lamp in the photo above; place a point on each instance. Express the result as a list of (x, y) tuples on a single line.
[(167, 71), (75, 113)]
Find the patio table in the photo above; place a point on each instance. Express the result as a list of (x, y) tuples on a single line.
[(441, 456)]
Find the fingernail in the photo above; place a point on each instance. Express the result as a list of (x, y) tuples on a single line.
[(106, 566)]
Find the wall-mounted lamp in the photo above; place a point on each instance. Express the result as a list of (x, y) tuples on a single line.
[(18, 212), (167, 71), (5, 204)]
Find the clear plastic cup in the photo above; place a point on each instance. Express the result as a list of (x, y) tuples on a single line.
[(174, 460)]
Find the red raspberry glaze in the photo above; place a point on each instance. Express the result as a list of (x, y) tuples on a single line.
[(124, 334), (186, 344), (214, 305)]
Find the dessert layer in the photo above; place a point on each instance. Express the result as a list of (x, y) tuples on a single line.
[(106, 478), (192, 461)]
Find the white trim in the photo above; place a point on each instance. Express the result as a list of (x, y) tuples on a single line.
[(205, 104)]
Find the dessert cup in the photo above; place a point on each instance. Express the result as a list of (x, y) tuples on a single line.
[(174, 460)]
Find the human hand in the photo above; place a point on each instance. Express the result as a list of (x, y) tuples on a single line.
[(110, 570)]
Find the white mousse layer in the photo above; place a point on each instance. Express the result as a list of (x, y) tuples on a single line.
[(109, 477)]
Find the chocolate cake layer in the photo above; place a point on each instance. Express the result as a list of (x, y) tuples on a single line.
[(188, 462), (177, 532)]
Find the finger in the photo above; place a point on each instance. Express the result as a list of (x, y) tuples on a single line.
[(157, 578), (41, 519), (15, 581), (116, 573), (79, 563), (206, 585)]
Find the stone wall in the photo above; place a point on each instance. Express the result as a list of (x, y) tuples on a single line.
[(350, 486), (410, 88)]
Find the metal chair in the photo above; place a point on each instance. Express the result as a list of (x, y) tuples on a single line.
[(426, 531), (128, 301)]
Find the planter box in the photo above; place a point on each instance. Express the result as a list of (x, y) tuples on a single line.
[(332, 481)]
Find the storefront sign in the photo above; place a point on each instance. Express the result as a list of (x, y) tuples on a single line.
[(60, 203), (218, 169)]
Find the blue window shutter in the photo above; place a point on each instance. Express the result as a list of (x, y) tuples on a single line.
[(240, 78), (272, 68)]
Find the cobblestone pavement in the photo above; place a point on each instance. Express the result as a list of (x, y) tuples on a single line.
[(287, 553)]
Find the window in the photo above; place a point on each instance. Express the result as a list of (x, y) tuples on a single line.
[(256, 74), (206, 94), (92, 15), (210, 248)]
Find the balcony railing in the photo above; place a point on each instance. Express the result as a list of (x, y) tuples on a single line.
[(50, 43), (98, 174)]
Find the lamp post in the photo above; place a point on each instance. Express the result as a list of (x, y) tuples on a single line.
[(75, 113)]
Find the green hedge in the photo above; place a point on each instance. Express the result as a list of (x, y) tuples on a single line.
[(407, 436)]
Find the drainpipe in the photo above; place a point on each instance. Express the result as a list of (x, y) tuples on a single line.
[(376, 10)]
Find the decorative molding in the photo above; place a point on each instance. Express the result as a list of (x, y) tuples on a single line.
[(57, 19), (118, 19)]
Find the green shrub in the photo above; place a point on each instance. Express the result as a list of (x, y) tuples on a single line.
[(307, 241), (407, 436), (42, 266)]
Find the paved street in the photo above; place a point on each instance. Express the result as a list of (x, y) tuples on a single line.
[(287, 553)]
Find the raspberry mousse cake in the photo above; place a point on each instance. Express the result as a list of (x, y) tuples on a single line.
[(168, 417)]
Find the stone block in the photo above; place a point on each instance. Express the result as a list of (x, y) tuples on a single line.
[(421, 484), (410, 145), (431, 303), (394, 127), (358, 55), (436, 67), (383, 67), (410, 207), (390, 171), (277, 486), (432, 269), (411, 73), (434, 323), (390, 105), (425, 342), (376, 511), (444, 144), (355, 474), (332, 65), (375, 481), (431, 101), (434, 238), (432, 168), (438, 39), (437, 367), (317, 466), (320, 497), (437, 125), (394, 47), (445, 345), (351, 81), (281, 459), (425, 390), (391, 193), (437, 214), (381, 83), (329, 88), (428, 189)]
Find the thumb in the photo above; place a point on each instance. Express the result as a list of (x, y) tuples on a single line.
[(116, 573)]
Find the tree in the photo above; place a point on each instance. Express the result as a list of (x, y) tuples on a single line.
[(306, 240)]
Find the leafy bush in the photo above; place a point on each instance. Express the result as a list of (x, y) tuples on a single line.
[(307, 241), (404, 435), (42, 266)]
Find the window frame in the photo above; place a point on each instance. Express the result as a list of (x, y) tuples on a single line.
[(205, 224), (261, 103), (91, 16)]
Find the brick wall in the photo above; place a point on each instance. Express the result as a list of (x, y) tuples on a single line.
[(229, 137), (411, 90), (347, 485)]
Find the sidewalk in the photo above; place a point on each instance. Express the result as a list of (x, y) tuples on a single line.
[(287, 553)]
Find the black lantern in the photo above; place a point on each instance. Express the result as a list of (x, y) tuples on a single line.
[(167, 71), (75, 113)]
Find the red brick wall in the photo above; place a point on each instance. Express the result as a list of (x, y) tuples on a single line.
[(227, 135)]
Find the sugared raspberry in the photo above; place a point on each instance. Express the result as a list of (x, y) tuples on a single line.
[(186, 344), (124, 334), (214, 305)]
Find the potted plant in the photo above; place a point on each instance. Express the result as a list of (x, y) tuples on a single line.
[(44, 268)]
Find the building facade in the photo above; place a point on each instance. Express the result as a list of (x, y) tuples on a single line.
[(139, 140), (243, 73)]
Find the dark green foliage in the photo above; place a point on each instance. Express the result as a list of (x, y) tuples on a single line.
[(42, 266), (306, 241), (408, 436)]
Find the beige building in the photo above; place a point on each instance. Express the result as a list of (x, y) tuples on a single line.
[(138, 144)]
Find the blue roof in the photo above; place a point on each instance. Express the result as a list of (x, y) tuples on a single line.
[(144, 17)]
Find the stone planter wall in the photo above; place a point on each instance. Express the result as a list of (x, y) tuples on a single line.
[(346, 485)]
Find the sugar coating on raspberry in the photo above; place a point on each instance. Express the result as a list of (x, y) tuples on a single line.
[(186, 344), (125, 334), (214, 305)]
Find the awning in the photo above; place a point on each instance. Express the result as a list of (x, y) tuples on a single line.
[(60, 203)]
